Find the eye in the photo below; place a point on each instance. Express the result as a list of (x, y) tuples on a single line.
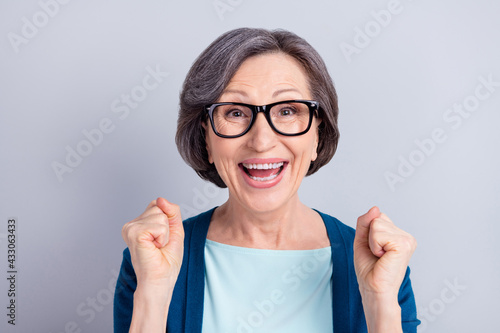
[(234, 114), (286, 111)]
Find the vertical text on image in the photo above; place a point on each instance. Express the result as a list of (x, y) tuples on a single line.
[(12, 269)]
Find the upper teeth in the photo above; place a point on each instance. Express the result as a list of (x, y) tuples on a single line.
[(264, 166)]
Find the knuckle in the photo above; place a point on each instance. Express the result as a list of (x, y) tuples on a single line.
[(377, 225), (129, 230), (155, 210), (151, 204), (124, 231), (126, 227), (159, 217), (385, 217), (409, 243), (413, 242)]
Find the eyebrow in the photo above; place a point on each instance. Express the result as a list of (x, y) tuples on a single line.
[(235, 91), (281, 91), (276, 93)]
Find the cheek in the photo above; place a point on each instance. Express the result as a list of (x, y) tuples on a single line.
[(305, 152), (220, 151)]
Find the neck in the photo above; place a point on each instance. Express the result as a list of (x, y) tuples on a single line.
[(281, 228)]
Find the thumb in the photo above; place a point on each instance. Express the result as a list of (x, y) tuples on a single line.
[(363, 224), (171, 210), (173, 213)]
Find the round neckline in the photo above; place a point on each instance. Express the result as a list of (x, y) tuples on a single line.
[(251, 250)]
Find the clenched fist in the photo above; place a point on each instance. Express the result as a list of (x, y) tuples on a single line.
[(156, 243), (382, 252)]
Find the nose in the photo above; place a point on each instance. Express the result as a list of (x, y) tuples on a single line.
[(261, 136)]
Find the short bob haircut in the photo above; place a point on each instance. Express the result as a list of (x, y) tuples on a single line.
[(214, 68)]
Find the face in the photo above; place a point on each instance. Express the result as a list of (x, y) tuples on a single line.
[(263, 169)]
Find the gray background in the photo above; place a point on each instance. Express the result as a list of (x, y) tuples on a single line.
[(71, 74)]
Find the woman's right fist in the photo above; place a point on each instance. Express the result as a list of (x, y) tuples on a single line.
[(156, 243)]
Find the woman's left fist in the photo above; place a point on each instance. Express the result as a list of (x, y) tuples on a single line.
[(382, 252)]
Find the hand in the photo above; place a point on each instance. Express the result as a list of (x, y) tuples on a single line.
[(156, 243), (382, 252), (381, 255)]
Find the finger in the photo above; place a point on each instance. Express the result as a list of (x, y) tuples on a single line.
[(151, 209), (379, 236), (385, 218), (171, 210), (363, 225), (146, 235), (385, 237), (176, 228), (151, 204)]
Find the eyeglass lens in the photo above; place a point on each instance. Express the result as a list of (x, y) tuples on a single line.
[(288, 118)]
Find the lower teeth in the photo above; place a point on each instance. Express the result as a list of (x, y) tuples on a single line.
[(263, 179)]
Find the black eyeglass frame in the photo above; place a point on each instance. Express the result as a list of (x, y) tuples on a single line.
[(312, 105)]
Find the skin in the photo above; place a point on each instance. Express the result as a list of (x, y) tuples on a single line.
[(267, 218), (270, 218)]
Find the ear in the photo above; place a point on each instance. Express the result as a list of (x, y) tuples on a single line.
[(205, 127), (316, 140)]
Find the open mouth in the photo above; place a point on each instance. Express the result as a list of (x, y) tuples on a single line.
[(263, 171)]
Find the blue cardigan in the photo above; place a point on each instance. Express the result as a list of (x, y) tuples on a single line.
[(186, 308)]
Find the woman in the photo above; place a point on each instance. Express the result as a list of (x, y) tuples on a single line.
[(258, 112)]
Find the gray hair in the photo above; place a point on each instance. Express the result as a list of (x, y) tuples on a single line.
[(215, 67)]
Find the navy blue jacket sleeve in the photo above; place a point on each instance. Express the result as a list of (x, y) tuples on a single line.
[(124, 295), (408, 307)]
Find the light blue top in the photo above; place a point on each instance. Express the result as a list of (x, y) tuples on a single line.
[(255, 290)]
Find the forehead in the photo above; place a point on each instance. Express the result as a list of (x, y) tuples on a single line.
[(269, 72)]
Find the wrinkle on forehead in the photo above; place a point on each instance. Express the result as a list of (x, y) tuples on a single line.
[(267, 76)]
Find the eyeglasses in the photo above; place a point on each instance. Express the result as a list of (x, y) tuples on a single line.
[(290, 118)]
